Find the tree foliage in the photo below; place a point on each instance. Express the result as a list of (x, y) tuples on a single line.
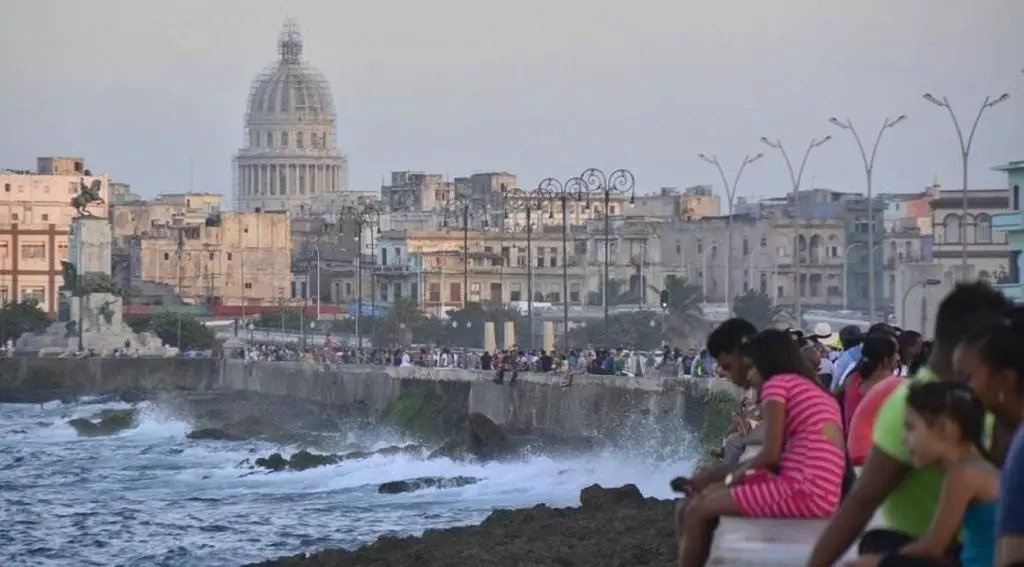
[(684, 316), (406, 324), (19, 318), (627, 330), (756, 307), (194, 334)]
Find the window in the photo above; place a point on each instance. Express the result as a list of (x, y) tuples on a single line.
[(700, 246), (248, 285), (414, 292), (14, 216), (434, 293), (515, 293), (167, 256), (293, 289), (33, 251), (229, 256), (951, 229), (746, 248), (983, 229), (37, 294), (284, 139), (455, 292), (211, 256), (348, 289), (299, 142), (7, 187), (45, 217), (764, 282), (383, 292), (5, 295), (397, 291), (270, 139), (574, 292)]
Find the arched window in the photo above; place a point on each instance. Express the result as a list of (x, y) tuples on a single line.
[(270, 139), (764, 242), (969, 228), (284, 139), (951, 229), (983, 229), (816, 249)]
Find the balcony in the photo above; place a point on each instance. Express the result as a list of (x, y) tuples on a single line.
[(1013, 292), (1008, 222), (393, 269)]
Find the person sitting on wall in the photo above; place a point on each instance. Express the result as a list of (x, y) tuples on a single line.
[(800, 470), (744, 431)]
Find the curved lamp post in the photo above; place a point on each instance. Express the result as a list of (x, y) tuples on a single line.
[(620, 182), (364, 217), (869, 169), (965, 156), (573, 190), (730, 193), (528, 201), (465, 208), (796, 176), (903, 303)]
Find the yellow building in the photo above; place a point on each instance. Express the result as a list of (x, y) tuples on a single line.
[(35, 216), (232, 259), (176, 209), (431, 267)]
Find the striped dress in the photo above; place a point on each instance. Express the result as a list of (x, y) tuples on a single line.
[(811, 468)]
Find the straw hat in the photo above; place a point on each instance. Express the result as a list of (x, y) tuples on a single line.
[(824, 332)]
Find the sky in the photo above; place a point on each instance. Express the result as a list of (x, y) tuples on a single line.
[(540, 88)]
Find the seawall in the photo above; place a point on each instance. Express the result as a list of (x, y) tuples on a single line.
[(593, 405)]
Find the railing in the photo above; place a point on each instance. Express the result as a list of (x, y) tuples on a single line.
[(1008, 221)]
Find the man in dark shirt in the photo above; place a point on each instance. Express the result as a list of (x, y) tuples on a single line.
[(546, 362), (485, 361)]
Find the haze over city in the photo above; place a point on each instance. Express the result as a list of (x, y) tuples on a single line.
[(536, 88)]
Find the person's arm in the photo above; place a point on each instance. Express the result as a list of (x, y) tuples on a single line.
[(883, 472), (1010, 527), (774, 423), (959, 489), (881, 475)]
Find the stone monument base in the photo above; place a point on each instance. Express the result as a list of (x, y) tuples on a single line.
[(103, 332)]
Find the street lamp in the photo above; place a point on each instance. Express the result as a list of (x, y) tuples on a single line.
[(621, 181), (903, 303), (730, 193), (869, 169), (365, 217), (466, 208), (965, 155), (796, 176), (316, 251), (528, 201), (573, 190)]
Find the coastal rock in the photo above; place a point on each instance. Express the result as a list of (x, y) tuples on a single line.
[(477, 438), (107, 422), (638, 533), (597, 498), (414, 484), (303, 460), (214, 434)]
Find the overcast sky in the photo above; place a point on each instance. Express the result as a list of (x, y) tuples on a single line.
[(536, 87)]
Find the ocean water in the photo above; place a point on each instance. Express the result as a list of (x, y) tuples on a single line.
[(150, 497)]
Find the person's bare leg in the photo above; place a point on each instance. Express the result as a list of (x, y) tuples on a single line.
[(701, 519)]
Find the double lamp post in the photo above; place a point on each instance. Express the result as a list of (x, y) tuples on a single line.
[(365, 219)]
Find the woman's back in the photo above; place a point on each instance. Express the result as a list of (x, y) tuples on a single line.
[(979, 534), (859, 433), (813, 451)]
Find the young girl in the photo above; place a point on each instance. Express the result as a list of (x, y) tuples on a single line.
[(878, 359), (943, 427)]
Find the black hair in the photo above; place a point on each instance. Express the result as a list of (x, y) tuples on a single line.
[(881, 328), (874, 350), (921, 359), (908, 339), (729, 336), (935, 399), (850, 336), (969, 307), (999, 344), (774, 352)]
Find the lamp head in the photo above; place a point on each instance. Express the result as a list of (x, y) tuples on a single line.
[(836, 122), (931, 98), (755, 157), (1002, 98), (770, 143), (706, 158), (899, 119)]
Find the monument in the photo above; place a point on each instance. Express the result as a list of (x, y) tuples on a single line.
[(93, 320)]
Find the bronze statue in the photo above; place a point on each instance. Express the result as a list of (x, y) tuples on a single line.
[(87, 194)]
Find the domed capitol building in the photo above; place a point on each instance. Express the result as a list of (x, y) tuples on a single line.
[(291, 159)]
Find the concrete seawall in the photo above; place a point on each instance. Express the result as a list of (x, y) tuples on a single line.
[(594, 405)]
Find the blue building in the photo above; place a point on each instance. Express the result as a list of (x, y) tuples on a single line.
[(1012, 223)]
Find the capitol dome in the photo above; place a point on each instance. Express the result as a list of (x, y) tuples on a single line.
[(290, 158)]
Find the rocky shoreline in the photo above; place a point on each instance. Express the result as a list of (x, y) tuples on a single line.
[(612, 526)]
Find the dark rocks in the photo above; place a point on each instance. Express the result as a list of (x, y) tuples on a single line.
[(477, 438), (637, 532), (214, 434), (599, 499), (304, 460), (106, 422), (414, 484)]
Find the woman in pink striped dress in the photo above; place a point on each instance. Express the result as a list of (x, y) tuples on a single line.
[(799, 472)]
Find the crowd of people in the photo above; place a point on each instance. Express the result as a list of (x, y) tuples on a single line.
[(933, 430)]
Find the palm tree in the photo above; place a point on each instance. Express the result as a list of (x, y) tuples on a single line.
[(684, 313), (399, 325), (756, 307)]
